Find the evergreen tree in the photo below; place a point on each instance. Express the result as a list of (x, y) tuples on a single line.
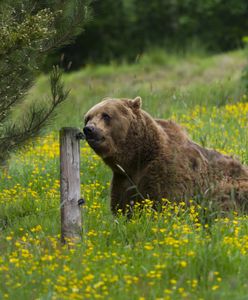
[(29, 31), (104, 39), (156, 22)]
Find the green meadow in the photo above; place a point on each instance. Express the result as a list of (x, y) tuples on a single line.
[(180, 253)]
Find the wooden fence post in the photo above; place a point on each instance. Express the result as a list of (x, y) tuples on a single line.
[(71, 223)]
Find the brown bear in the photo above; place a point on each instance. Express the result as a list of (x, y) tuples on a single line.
[(155, 159)]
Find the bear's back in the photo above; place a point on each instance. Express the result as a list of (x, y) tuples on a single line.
[(174, 131)]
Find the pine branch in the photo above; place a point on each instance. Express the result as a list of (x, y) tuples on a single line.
[(16, 135), (15, 81), (68, 27), (28, 31)]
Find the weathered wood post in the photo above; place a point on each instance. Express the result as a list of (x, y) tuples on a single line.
[(71, 223)]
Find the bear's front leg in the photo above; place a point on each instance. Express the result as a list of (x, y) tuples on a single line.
[(122, 193)]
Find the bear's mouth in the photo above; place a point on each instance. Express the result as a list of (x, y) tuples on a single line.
[(94, 142)]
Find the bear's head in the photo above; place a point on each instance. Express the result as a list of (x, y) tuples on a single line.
[(107, 124)]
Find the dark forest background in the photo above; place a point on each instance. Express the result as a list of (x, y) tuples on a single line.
[(121, 30)]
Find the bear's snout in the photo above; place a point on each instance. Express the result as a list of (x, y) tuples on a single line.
[(89, 131), (93, 135)]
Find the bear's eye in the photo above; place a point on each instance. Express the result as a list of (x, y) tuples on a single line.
[(106, 117)]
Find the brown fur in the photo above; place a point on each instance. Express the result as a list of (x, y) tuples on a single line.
[(155, 159)]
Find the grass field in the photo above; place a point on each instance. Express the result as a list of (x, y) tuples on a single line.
[(181, 253)]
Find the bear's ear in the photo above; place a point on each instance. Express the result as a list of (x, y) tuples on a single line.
[(136, 103)]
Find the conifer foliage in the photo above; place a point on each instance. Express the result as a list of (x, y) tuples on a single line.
[(29, 31)]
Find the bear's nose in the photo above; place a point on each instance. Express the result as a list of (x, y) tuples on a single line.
[(89, 130)]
